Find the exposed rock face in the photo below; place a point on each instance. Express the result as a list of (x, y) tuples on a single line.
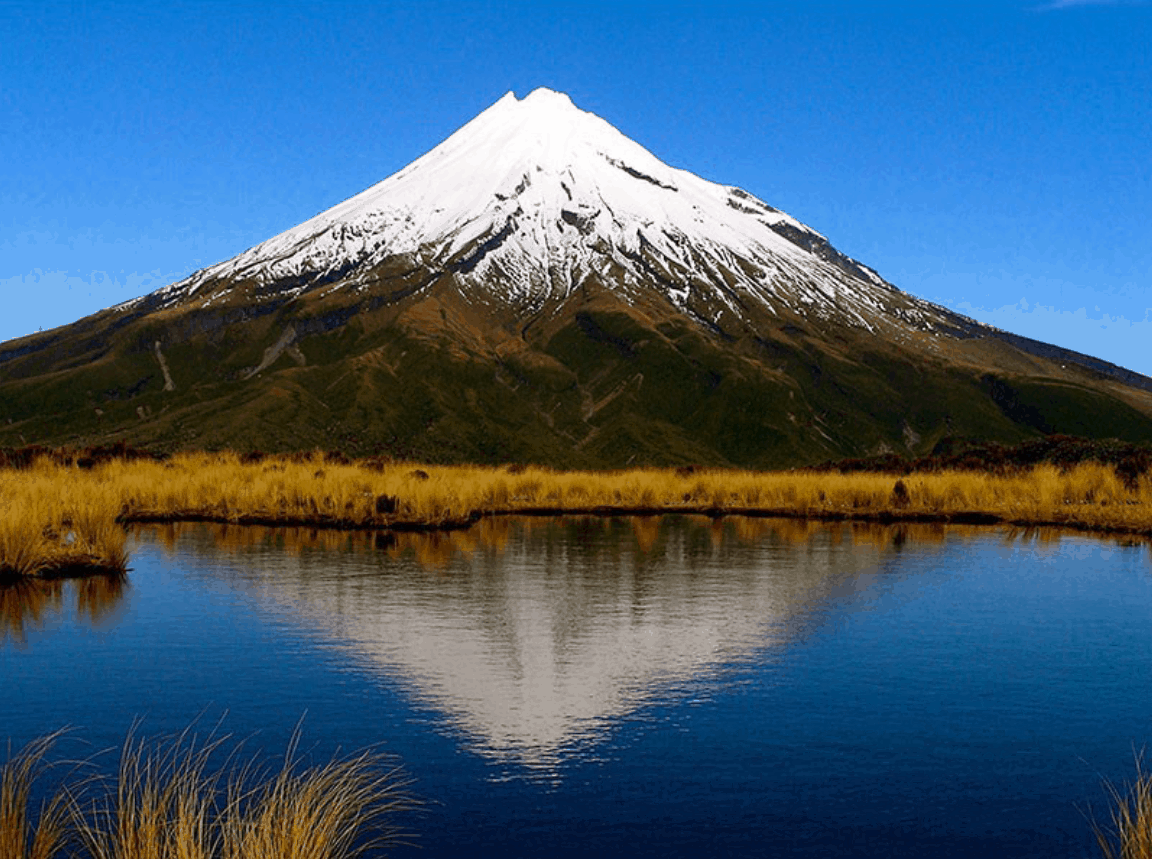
[(534, 199)]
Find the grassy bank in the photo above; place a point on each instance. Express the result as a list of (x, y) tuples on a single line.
[(187, 799), (60, 517)]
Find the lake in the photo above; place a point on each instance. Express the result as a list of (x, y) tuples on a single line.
[(664, 686)]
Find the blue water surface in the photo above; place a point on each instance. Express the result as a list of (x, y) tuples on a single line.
[(635, 687)]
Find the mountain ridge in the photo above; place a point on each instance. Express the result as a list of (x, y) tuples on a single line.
[(544, 176), (539, 287)]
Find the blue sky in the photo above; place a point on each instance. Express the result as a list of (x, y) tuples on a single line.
[(993, 157)]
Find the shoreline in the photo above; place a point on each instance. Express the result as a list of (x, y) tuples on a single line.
[(884, 517), (64, 521)]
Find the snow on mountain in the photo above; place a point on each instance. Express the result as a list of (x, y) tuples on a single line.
[(533, 197)]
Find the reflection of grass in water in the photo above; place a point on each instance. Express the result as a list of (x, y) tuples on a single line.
[(25, 602), (97, 596), (1130, 834), (646, 535), (57, 517), (167, 802)]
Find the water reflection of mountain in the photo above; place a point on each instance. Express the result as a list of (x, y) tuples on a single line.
[(533, 634), (28, 604)]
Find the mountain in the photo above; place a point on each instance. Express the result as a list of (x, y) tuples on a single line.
[(539, 287)]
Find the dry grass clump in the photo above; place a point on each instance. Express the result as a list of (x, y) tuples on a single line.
[(168, 802), (345, 808), (160, 808), (1130, 833), (55, 521), (25, 834)]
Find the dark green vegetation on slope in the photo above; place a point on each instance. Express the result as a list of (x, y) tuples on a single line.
[(594, 382)]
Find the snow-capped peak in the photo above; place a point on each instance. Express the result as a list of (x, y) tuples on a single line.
[(535, 195)]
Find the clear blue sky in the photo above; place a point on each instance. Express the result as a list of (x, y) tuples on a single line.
[(994, 157)]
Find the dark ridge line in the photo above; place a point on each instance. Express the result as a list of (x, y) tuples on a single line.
[(1053, 352), (39, 344), (741, 194), (636, 174), (466, 265), (98, 342), (818, 247), (309, 280), (743, 208)]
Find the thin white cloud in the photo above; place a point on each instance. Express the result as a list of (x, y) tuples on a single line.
[(1071, 4)]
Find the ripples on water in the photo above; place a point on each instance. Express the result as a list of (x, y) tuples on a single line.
[(672, 686)]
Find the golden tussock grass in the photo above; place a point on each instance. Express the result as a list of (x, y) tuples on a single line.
[(25, 832), (54, 522), (58, 517), (168, 802), (1130, 834), (221, 488)]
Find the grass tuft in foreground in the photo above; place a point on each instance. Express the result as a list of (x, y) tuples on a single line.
[(169, 801), (26, 833), (343, 809), (1130, 834)]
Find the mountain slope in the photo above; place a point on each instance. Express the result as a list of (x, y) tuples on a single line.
[(539, 287)]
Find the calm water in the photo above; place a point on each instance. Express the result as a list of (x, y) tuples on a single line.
[(634, 687)]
